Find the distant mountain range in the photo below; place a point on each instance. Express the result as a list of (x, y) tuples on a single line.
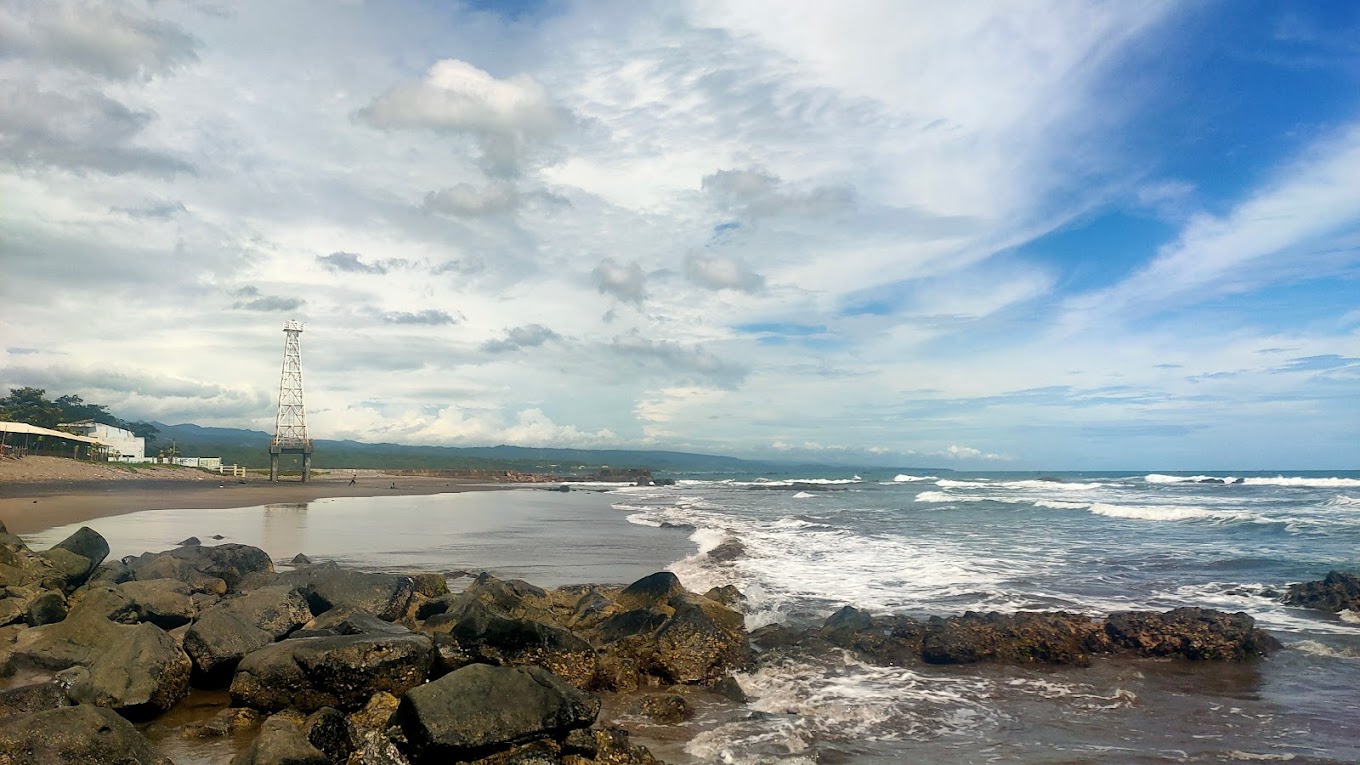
[(250, 448)]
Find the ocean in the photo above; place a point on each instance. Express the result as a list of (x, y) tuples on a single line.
[(918, 545), (944, 544)]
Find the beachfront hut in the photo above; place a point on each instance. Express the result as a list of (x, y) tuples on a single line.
[(18, 439)]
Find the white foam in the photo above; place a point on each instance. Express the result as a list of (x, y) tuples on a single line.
[(1054, 504), (904, 478), (1341, 500), (802, 495), (1254, 757), (1322, 649), (1160, 478), (1349, 616), (1166, 513), (1314, 483), (948, 484), (1052, 485), (943, 496)]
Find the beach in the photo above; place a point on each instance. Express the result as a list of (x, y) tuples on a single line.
[(39, 493)]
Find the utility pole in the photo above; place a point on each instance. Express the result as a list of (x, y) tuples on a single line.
[(290, 426)]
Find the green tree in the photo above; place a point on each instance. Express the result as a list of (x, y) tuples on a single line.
[(30, 405), (74, 409)]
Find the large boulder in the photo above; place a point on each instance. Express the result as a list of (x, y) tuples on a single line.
[(1338, 591), (225, 633), (145, 670), (1190, 633), (490, 638), (651, 592), (166, 603), (202, 566), (78, 555), (514, 598), (78, 735), (27, 699), (341, 671), (327, 586), (701, 642), (132, 668), (281, 741), (1021, 638), (480, 710)]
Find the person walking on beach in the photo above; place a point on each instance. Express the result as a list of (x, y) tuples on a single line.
[(353, 479)]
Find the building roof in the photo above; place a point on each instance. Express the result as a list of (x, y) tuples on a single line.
[(23, 427)]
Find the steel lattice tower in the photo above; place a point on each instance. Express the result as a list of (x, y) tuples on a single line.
[(290, 427)]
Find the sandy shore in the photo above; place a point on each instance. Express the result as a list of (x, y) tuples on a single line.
[(31, 506)]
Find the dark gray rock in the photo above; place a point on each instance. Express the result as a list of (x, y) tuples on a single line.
[(281, 741), (85, 544), (341, 672), (197, 566), (327, 586), (78, 735), (300, 560), (145, 670), (166, 603), (47, 608), (1191, 633), (27, 699), (190, 542), (650, 591), (1338, 591), (347, 621), (131, 668), (225, 633), (328, 730), (479, 710), (494, 639)]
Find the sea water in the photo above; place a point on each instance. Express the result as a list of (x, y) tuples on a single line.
[(921, 544)]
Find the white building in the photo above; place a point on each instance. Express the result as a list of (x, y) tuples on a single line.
[(123, 446)]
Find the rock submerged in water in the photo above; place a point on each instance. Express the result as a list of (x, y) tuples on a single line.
[(1052, 638), (1338, 591)]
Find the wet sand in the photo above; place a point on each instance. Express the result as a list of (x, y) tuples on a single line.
[(33, 506)]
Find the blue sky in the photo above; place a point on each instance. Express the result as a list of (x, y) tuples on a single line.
[(1049, 235)]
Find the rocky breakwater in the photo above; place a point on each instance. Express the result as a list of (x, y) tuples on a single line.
[(326, 665)]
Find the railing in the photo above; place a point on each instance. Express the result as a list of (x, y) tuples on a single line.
[(236, 470)]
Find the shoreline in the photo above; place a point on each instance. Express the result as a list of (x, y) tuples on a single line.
[(29, 507)]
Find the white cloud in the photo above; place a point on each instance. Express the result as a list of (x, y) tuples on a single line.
[(116, 40), (718, 271), (625, 282), (1262, 237), (466, 200), (504, 116)]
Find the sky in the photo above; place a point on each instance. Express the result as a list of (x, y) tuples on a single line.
[(979, 235)]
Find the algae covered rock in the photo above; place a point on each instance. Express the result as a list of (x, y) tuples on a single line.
[(78, 735), (341, 671), (225, 633), (480, 710), (1338, 591)]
